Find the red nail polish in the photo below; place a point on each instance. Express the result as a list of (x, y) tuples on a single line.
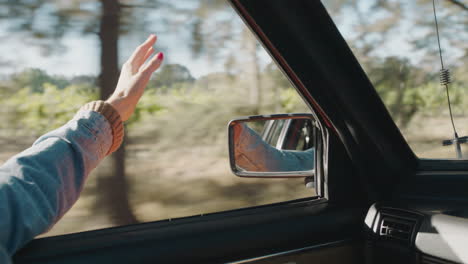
[(160, 56)]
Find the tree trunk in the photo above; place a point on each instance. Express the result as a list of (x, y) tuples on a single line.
[(113, 187)]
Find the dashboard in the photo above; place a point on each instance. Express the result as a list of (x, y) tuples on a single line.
[(408, 235)]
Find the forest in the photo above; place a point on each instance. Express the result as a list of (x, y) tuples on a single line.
[(174, 160)]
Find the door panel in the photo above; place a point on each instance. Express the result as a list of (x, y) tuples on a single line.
[(342, 252), (215, 238)]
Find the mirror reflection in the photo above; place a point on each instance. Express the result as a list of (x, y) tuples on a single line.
[(278, 145)]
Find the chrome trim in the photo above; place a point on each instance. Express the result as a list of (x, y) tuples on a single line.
[(251, 174), (280, 174), (293, 251), (284, 130)]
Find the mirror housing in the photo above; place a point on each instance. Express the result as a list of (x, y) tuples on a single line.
[(273, 146)]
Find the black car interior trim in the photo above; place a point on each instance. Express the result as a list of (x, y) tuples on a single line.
[(442, 165), (432, 173), (294, 251), (202, 240)]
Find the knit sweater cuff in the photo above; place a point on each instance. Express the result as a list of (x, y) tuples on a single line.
[(113, 117)]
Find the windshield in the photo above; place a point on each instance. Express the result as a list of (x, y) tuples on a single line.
[(396, 43)]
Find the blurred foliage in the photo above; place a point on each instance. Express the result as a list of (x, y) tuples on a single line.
[(407, 90), (35, 102), (37, 112), (172, 75), (291, 102), (38, 102), (35, 80), (406, 77), (148, 105)]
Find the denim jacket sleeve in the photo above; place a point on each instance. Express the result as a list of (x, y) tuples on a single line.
[(40, 184), (254, 154)]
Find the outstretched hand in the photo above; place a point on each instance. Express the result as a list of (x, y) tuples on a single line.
[(134, 77)]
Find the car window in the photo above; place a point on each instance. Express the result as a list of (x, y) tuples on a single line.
[(272, 132), (396, 43), (175, 162), (299, 135)]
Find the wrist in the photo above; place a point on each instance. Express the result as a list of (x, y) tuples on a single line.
[(116, 104), (112, 115), (121, 105)]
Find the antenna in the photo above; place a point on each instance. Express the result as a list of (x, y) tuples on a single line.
[(445, 80)]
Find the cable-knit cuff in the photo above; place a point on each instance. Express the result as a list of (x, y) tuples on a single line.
[(113, 117)]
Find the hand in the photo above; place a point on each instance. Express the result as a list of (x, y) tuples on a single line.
[(134, 77)]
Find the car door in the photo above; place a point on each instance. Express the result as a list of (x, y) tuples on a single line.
[(327, 228)]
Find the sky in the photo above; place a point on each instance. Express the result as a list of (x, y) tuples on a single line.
[(81, 56)]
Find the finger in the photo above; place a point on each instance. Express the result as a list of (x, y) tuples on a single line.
[(147, 55), (141, 50), (140, 62), (153, 64)]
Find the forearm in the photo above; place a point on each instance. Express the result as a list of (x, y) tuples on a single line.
[(254, 154), (296, 160), (41, 183)]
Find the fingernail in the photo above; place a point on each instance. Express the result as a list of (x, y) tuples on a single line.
[(150, 36), (160, 56)]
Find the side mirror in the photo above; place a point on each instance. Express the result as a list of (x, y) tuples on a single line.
[(273, 146)]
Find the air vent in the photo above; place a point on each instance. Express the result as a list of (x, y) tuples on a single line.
[(397, 228)]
